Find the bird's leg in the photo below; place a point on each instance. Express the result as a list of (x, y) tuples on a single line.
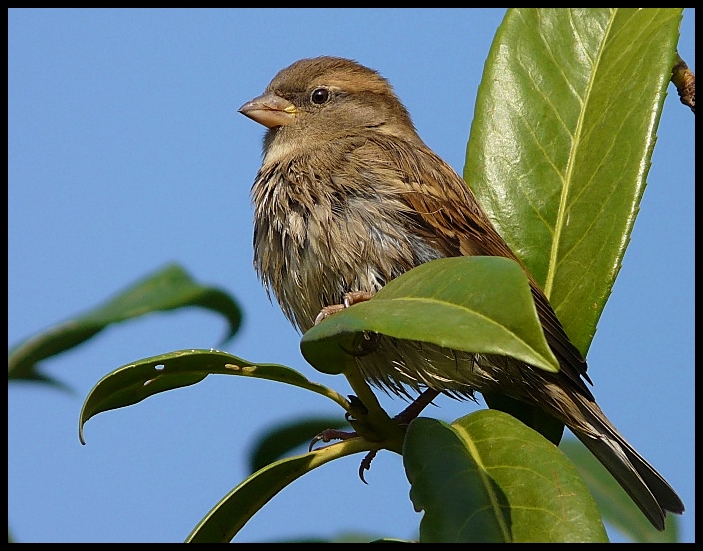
[(403, 418), (356, 408), (416, 406), (351, 298), (328, 435)]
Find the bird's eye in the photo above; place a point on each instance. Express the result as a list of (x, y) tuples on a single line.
[(320, 96)]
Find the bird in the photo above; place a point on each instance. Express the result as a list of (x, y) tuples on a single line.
[(349, 197)]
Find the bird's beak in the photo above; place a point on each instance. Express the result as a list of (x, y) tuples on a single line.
[(270, 110)]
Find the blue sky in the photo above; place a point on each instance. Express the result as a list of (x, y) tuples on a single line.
[(126, 152)]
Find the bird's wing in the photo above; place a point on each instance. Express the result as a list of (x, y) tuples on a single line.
[(442, 208)]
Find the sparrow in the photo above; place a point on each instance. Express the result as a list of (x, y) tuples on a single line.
[(349, 197)]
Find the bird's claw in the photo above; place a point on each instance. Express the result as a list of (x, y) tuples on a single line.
[(327, 311), (331, 434), (366, 464), (350, 299)]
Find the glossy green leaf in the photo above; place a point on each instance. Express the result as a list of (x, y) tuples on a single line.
[(562, 139), (489, 478), (530, 414), (615, 506), (473, 304), (167, 289), (137, 381), (281, 439), (223, 522)]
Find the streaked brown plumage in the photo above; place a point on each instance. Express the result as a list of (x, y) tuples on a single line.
[(349, 197)]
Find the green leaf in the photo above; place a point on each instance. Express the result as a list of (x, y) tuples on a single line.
[(223, 522), (168, 289), (562, 139), (616, 507), (137, 381), (530, 414), (281, 439), (472, 304), (489, 478)]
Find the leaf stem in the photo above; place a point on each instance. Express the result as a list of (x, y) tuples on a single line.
[(374, 424)]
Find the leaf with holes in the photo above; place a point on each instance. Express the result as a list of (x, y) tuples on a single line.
[(137, 381)]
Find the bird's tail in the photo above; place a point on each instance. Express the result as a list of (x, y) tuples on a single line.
[(639, 479)]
